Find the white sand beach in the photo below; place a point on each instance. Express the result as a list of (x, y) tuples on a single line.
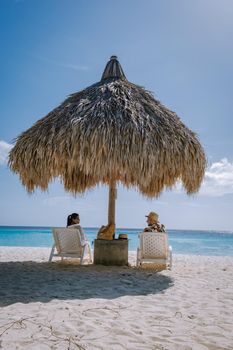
[(64, 306)]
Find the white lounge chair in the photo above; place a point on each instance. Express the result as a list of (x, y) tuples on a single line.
[(68, 244), (153, 249)]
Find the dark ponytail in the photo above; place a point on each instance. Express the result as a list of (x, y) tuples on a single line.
[(70, 218)]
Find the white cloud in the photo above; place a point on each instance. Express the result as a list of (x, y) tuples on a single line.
[(4, 151), (218, 179)]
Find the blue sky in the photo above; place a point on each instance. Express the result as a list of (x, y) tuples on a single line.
[(181, 50)]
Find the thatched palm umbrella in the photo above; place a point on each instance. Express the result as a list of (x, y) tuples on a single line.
[(113, 131)]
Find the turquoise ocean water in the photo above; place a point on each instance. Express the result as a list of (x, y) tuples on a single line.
[(182, 241)]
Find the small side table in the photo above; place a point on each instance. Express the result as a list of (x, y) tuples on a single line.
[(112, 253)]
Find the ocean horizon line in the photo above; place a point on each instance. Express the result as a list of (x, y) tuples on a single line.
[(117, 228)]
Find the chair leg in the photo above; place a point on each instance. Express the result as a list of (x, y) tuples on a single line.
[(171, 261), (83, 251), (51, 254), (90, 253), (138, 257), (170, 265)]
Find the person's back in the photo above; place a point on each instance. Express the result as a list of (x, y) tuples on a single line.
[(73, 221), (153, 223), (157, 227)]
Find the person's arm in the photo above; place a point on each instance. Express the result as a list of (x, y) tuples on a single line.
[(83, 237), (147, 229), (162, 228)]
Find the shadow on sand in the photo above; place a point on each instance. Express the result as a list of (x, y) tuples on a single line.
[(27, 282)]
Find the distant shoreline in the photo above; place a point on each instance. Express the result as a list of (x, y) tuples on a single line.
[(118, 228)]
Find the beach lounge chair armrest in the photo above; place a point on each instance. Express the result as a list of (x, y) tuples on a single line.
[(84, 243), (88, 247)]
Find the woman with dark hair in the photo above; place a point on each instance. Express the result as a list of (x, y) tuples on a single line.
[(73, 221)]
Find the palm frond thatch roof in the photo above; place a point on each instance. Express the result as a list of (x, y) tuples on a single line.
[(111, 130)]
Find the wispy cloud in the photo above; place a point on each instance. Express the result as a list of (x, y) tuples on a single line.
[(57, 200), (218, 179), (67, 202), (191, 204), (77, 67), (4, 151)]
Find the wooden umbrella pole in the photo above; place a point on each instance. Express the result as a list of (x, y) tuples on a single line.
[(111, 202)]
